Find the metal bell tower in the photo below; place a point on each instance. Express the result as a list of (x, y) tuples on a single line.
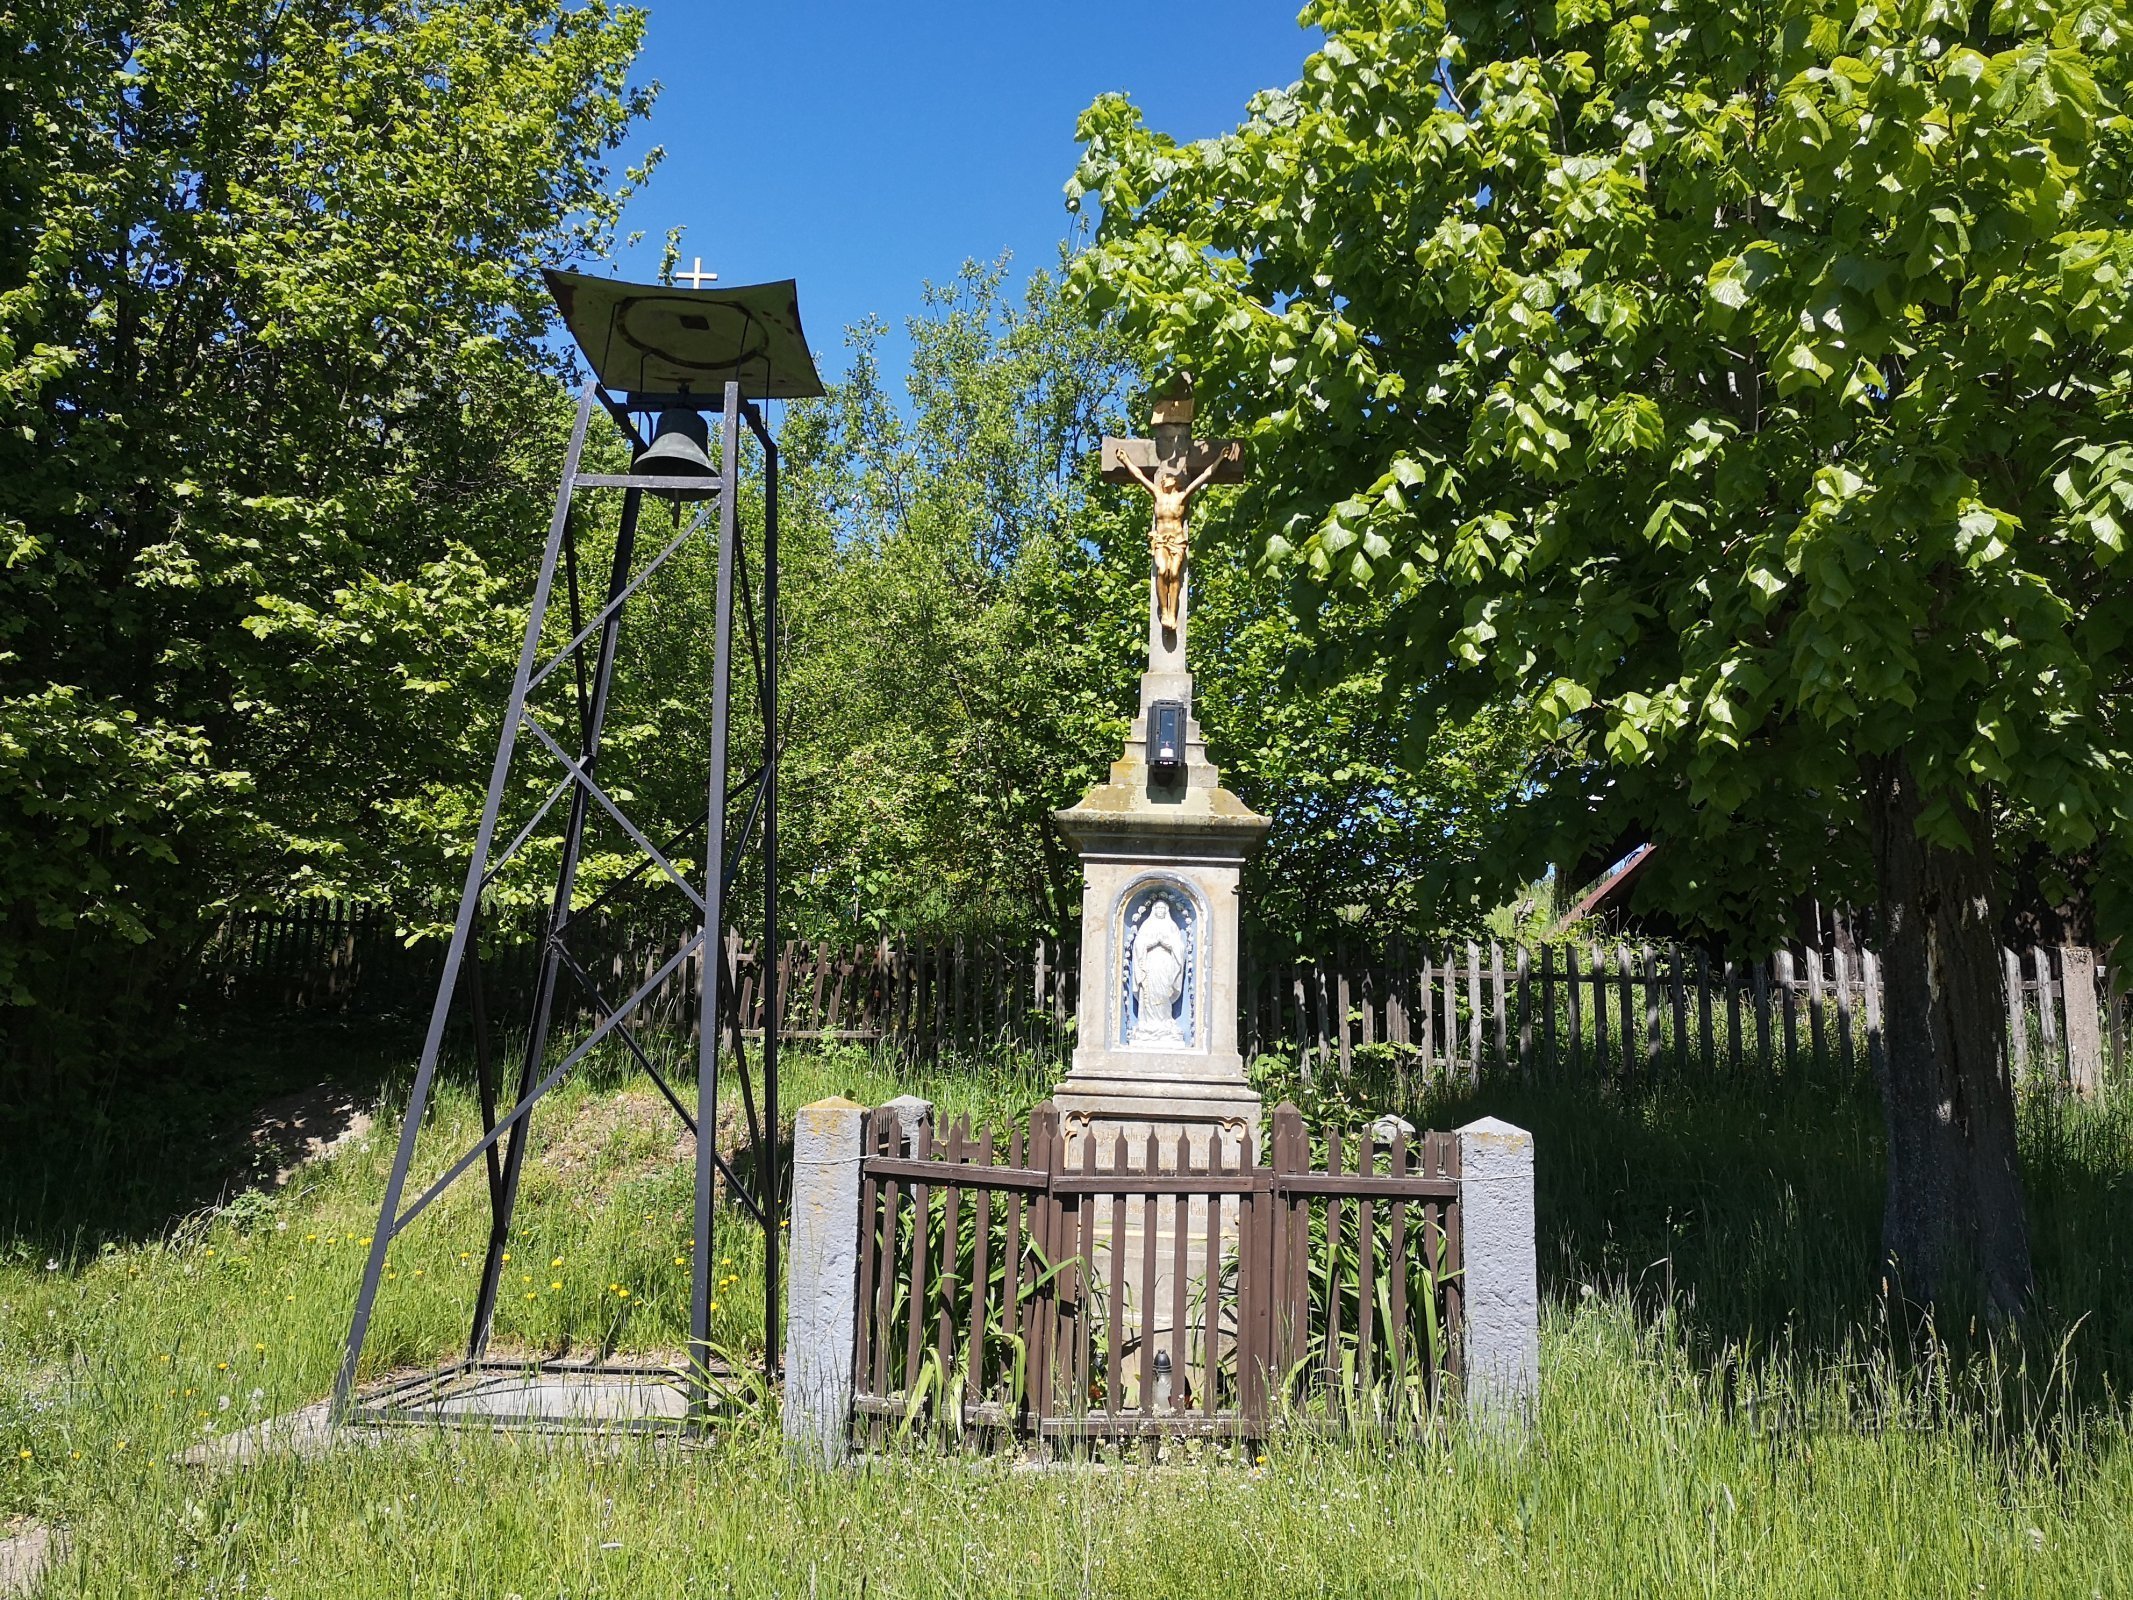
[(680, 355)]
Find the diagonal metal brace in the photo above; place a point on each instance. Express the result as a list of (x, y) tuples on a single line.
[(577, 772), (592, 992), (502, 859), (629, 1038), (511, 1118), (696, 525)]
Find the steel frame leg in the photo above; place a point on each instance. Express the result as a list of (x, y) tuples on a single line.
[(558, 929), (469, 903), (713, 969)]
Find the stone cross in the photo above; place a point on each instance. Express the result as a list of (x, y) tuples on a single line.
[(1173, 466), (696, 277)]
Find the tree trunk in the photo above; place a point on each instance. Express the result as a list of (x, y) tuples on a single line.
[(1954, 1214)]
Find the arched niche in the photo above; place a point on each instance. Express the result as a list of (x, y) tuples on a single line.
[(1161, 966)]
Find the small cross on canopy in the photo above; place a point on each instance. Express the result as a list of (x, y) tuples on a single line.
[(652, 339)]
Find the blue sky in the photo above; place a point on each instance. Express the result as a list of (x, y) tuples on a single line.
[(864, 148)]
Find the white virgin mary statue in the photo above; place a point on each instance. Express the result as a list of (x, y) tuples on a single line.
[(1158, 977)]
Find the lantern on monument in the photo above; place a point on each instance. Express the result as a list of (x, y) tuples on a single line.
[(670, 358), (1166, 738)]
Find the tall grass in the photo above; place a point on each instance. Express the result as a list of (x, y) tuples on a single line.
[(1644, 1483), (1725, 1412)]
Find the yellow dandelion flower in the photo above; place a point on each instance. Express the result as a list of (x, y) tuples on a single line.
[(222, 1366), (288, 1297), (210, 1250), (122, 1444), (623, 1293), (163, 1358), (507, 1255), (557, 1284), (714, 1305), (557, 1262), (532, 1294), (76, 1455), (24, 1454), (680, 1260), (260, 1348)]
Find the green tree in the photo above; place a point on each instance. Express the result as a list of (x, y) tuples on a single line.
[(967, 605), (276, 414), (956, 666), (1373, 836), (1746, 386)]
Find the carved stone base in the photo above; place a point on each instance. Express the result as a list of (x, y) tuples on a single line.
[(1186, 1126)]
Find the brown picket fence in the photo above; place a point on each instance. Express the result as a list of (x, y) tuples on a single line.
[(1034, 1283), (1631, 1013), (925, 998), (1620, 1012)]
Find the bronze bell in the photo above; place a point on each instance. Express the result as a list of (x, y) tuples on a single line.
[(679, 449)]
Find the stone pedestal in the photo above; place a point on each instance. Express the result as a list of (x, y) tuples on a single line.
[(1168, 1078), (1160, 850)]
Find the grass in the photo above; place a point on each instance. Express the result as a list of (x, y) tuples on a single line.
[(1723, 1415)]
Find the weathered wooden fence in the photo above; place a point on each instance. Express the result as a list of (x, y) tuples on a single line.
[(1621, 1012), (922, 997), (1634, 1013), (1040, 1286)]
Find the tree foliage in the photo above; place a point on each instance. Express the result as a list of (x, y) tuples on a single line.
[(953, 673), (1748, 387), (968, 607), (276, 416)]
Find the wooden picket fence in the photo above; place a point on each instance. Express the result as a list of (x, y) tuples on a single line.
[(923, 998), (1616, 1011), (1027, 1284), (1642, 1013)]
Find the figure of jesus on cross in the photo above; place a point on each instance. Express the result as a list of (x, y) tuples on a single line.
[(1173, 467)]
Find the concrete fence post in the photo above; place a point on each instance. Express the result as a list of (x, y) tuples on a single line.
[(910, 1113), (822, 1279), (1502, 1278), (1389, 1127)]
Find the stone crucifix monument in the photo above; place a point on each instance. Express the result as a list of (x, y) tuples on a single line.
[(1162, 847)]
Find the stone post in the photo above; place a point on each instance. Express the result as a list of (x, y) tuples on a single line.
[(1502, 1279), (822, 1280), (910, 1114), (1388, 1128)]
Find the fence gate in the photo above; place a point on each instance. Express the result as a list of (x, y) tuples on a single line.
[(1042, 1285)]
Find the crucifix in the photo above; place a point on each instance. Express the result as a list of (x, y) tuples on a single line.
[(696, 277), (1173, 466)]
